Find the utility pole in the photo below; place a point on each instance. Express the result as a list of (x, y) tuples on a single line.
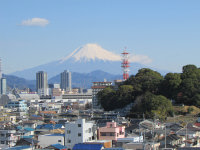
[(165, 137)]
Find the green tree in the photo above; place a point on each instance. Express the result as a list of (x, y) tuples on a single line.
[(112, 99), (170, 85), (106, 97), (190, 85), (150, 80), (152, 105), (124, 95)]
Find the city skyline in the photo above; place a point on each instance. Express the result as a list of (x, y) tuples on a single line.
[(38, 32)]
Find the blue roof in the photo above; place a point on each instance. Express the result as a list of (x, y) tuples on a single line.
[(30, 136), (35, 116), (19, 147), (19, 127), (29, 129), (114, 148), (49, 126), (82, 146), (59, 146), (56, 134)]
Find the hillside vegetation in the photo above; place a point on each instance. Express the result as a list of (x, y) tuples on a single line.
[(152, 93)]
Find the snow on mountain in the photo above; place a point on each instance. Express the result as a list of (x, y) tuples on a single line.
[(94, 52), (85, 59), (91, 52)]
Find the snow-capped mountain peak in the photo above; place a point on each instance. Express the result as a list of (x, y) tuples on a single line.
[(91, 52)]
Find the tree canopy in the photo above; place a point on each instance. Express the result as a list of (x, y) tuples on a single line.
[(153, 105), (150, 91)]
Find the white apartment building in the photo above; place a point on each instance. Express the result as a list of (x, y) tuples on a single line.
[(8, 137), (78, 132)]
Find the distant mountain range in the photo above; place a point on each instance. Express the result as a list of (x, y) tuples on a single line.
[(87, 63), (86, 59), (18, 82), (83, 80)]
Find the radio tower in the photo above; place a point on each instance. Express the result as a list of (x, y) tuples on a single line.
[(125, 64)]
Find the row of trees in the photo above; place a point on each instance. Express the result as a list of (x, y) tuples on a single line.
[(152, 92)]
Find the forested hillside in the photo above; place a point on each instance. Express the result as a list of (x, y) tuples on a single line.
[(153, 93)]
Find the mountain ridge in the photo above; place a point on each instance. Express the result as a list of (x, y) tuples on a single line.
[(82, 80), (86, 59)]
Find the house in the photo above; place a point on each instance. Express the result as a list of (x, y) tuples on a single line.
[(26, 132), (140, 146), (174, 127), (48, 127), (111, 132), (8, 136), (172, 141), (190, 132), (78, 132), (30, 124), (121, 141), (28, 141), (49, 139)]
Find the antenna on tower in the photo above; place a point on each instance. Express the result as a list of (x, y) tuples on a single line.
[(125, 64)]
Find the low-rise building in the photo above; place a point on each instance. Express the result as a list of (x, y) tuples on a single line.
[(78, 132), (111, 132), (49, 139), (8, 137), (19, 106)]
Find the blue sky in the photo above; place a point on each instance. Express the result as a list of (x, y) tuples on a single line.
[(168, 32)]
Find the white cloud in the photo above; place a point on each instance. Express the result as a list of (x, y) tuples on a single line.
[(140, 59), (35, 22)]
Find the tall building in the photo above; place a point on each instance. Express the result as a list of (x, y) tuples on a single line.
[(65, 81), (3, 86), (98, 86), (0, 76), (42, 83)]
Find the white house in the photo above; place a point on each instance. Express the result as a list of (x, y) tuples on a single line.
[(78, 132), (49, 139)]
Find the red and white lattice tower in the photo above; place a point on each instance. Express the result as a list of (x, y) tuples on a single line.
[(125, 64)]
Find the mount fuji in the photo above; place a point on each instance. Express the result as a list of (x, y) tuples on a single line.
[(85, 59)]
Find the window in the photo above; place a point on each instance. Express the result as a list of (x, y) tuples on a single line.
[(68, 131), (69, 141), (59, 141), (2, 142), (79, 125), (103, 134), (90, 130), (2, 135), (79, 134)]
